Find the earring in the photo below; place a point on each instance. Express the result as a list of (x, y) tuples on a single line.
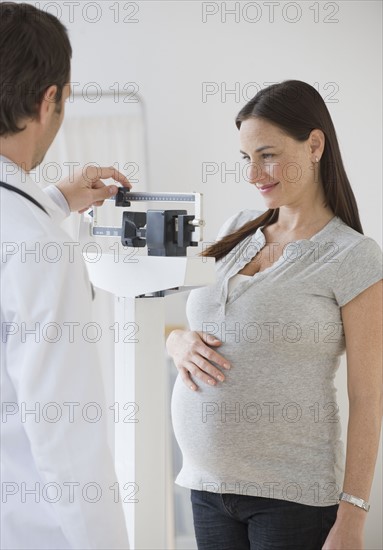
[(316, 159)]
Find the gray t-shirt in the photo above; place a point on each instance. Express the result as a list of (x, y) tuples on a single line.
[(272, 428)]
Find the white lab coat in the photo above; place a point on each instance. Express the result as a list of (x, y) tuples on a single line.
[(56, 467)]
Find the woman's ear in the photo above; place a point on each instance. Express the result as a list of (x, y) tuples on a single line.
[(316, 143)]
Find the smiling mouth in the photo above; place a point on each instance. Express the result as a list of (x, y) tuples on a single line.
[(269, 186)]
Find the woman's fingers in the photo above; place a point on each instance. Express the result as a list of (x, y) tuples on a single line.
[(194, 359), (217, 358), (191, 372), (205, 371), (209, 353), (186, 379)]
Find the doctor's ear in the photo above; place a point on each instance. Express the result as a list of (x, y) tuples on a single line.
[(316, 143), (48, 104)]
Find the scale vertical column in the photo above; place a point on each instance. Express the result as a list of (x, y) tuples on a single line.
[(141, 433)]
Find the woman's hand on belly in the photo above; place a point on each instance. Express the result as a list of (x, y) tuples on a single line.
[(192, 356)]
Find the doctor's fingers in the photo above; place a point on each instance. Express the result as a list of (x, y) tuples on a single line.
[(99, 195), (94, 173), (100, 192)]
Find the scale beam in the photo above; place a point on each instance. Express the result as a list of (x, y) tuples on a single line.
[(124, 197)]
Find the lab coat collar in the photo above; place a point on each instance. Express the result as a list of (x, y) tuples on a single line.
[(13, 174)]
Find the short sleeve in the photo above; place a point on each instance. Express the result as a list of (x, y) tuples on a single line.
[(236, 221), (361, 268)]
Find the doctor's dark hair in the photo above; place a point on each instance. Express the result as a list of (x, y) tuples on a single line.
[(297, 108), (35, 53)]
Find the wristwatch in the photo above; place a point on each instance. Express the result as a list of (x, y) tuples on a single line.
[(355, 501)]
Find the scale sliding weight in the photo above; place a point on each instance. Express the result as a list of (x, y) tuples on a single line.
[(164, 232)]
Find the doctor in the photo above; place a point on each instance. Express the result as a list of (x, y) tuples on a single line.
[(59, 488)]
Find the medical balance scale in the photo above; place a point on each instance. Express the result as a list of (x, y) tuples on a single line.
[(140, 286)]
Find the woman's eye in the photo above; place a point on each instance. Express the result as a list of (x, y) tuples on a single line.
[(267, 156), (246, 158)]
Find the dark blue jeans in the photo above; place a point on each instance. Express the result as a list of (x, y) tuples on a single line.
[(243, 522)]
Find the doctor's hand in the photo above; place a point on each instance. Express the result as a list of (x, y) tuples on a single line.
[(86, 188), (191, 354)]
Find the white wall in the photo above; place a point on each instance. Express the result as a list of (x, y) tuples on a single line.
[(170, 52)]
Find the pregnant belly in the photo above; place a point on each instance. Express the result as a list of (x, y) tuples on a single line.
[(196, 418), (218, 428), (244, 423)]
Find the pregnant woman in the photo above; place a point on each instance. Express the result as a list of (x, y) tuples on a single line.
[(254, 406)]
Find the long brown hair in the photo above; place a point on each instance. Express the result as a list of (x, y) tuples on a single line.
[(297, 109)]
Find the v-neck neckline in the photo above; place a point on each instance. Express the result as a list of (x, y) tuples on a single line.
[(260, 235), (259, 239)]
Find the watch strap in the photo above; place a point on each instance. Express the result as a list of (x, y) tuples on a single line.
[(355, 501)]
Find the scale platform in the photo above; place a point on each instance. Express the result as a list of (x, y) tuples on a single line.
[(136, 276)]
